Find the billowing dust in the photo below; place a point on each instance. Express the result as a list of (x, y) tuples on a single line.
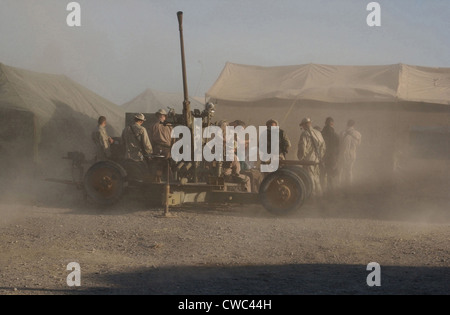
[(401, 223)]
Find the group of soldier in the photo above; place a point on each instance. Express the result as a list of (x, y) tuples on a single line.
[(327, 156), (138, 144)]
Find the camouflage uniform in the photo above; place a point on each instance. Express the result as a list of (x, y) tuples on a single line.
[(350, 140), (284, 146), (101, 141), (137, 143), (160, 137), (330, 168), (307, 153), (232, 173)]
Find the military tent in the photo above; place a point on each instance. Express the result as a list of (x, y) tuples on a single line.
[(43, 116), (393, 106)]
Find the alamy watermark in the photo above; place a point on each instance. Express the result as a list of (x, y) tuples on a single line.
[(374, 17), (220, 147), (374, 278), (74, 17), (74, 277)]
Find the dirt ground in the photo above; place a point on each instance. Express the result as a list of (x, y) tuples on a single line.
[(130, 249)]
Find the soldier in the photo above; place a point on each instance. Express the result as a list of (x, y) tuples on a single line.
[(285, 143), (223, 124), (242, 143), (160, 134), (238, 123), (330, 160), (350, 140), (102, 141), (232, 173), (248, 168), (311, 148), (135, 138)]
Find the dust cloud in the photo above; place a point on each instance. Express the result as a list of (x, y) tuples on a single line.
[(404, 187), (402, 168)]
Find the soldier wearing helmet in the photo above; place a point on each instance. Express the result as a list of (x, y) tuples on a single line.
[(210, 107), (311, 148), (160, 134), (136, 140)]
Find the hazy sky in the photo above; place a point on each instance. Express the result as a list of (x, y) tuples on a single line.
[(124, 47)]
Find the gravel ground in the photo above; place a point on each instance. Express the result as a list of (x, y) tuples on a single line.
[(130, 249)]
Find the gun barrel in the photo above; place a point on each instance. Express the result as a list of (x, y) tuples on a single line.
[(186, 103)]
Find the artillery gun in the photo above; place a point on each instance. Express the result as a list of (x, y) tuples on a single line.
[(105, 182)]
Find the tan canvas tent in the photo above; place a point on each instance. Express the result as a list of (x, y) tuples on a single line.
[(390, 104), (46, 115), (333, 84)]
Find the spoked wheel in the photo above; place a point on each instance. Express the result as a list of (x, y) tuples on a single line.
[(305, 177), (105, 182), (282, 192)]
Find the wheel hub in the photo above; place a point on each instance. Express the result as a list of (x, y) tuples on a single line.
[(106, 183), (285, 192)]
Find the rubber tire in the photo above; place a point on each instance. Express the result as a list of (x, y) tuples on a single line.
[(91, 192), (306, 178), (271, 207)]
